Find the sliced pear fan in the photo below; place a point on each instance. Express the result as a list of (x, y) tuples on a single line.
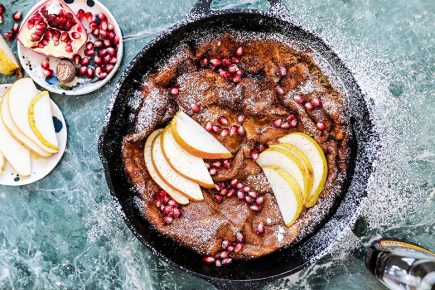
[(41, 120), (186, 164), (189, 188), (21, 95), (287, 193), (175, 194), (8, 62), (14, 131), (15, 153), (195, 139), (317, 159)]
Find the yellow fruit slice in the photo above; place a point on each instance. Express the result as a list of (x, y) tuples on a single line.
[(8, 62), (41, 122)]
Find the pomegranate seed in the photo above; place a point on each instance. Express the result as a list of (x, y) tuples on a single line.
[(114, 60), (223, 254), (239, 185), (233, 130), (246, 189), (259, 200), (241, 118), (107, 59), (77, 59), (75, 35), (166, 199), (89, 16), (241, 131), (218, 263), (108, 68), (238, 247), (316, 103), (240, 72), (17, 16), (176, 212), (212, 67), (225, 74), (208, 126), (93, 25), (239, 51), (102, 16), (107, 43), (2, 9), (227, 261), (239, 237), (85, 61), (248, 199), (309, 106), (223, 120), (254, 155), (83, 70), (90, 72), (98, 43), (225, 132), (252, 194), (204, 62), (89, 52), (212, 171), (162, 194), (234, 182), (237, 79), (235, 60), (294, 123), (47, 72), (223, 191), (290, 117), (116, 40), (260, 228), (299, 99), (225, 244), (174, 91), (111, 51), (226, 62), (45, 63), (285, 125), (215, 62), (216, 128), (218, 198), (216, 187), (321, 125), (233, 68), (282, 71), (230, 248), (223, 185), (261, 147), (98, 60), (277, 122), (279, 90), (209, 260), (111, 36), (230, 192), (254, 207), (217, 164), (103, 25), (110, 27), (9, 35), (158, 203), (103, 34), (168, 219), (96, 32), (172, 203), (240, 195), (167, 209), (227, 163), (15, 28), (195, 108)]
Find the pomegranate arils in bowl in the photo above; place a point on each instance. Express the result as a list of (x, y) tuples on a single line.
[(43, 27)]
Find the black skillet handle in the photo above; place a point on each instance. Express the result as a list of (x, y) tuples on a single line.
[(238, 285), (203, 8)]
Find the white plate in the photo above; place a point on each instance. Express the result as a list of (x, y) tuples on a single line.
[(31, 61), (41, 167)]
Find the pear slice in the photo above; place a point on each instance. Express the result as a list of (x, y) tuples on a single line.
[(21, 95), (189, 188), (187, 165), (15, 153), (288, 162), (2, 162), (175, 194), (41, 120), (317, 159), (195, 139), (287, 193), (14, 131), (8, 62)]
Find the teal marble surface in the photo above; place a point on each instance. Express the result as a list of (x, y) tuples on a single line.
[(64, 233)]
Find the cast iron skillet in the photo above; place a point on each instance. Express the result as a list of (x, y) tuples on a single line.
[(239, 274)]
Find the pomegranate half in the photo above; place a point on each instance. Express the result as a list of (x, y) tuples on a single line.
[(53, 30)]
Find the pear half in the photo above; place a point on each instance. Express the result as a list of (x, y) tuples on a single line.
[(195, 139), (21, 95), (15, 153), (14, 131), (8, 62), (186, 164), (189, 188), (41, 120), (288, 162), (175, 194), (287, 193), (317, 159)]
